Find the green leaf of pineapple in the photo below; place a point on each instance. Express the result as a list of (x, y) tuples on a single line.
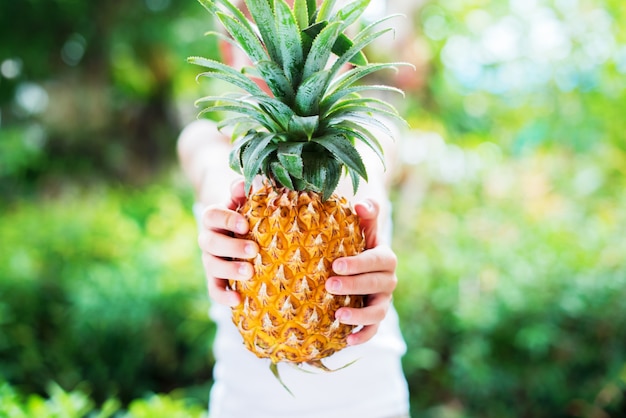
[(311, 6), (350, 13), (303, 126), (369, 28), (363, 120), (309, 94), (277, 110), (326, 10), (333, 175), (226, 73), (236, 13), (356, 48), (282, 175), (257, 115), (366, 110), (255, 155), (314, 172), (245, 38), (239, 146), (261, 11), (341, 45), (289, 41), (356, 179), (301, 12), (343, 150), (358, 131), (331, 100), (292, 163), (351, 76), (321, 50), (275, 78)]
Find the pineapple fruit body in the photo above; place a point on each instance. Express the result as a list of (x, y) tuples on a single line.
[(286, 314)]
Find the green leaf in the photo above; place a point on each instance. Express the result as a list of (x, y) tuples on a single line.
[(326, 10), (348, 127), (290, 42), (309, 94), (343, 150), (274, 369), (301, 11), (354, 74), (237, 14), (239, 146), (232, 121), (320, 174), (254, 156), (330, 100), (246, 39), (263, 16), (350, 13), (277, 110), (226, 73), (363, 120), (367, 111), (314, 171), (355, 180), (311, 6), (275, 78), (341, 45), (282, 175), (355, 49), (333, 175), (369, 28), (292, 162), (321, 50), (209, 5), (363, 101), (304, 126), (222, 37), (240, 124), (253, 113)]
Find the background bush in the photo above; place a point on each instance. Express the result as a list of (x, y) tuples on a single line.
[(103, 289), (509, 200)]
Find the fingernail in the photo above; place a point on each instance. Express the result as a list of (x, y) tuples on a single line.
[(244, 270), (250, 250), (241, 227), (343, 315), (333, 285), (339, 266)]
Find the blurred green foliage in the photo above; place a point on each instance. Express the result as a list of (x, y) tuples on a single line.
[(514, 301), (76, 404), (103, 288), (91, 89), (527, 74), (510, 204)]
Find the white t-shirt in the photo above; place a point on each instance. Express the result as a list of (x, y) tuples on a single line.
[(372, 387)]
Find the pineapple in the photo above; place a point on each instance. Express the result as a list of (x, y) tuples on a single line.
[(298, 135)]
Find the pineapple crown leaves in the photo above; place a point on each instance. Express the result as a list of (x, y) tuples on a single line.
[(301, 134)]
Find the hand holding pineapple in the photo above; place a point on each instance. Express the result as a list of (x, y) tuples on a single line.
[(370, 273)]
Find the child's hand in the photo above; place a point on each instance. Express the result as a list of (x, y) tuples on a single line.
[(371, 273), (219, 247)]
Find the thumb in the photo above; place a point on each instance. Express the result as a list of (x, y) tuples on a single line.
[(368, 211), (237, 194)]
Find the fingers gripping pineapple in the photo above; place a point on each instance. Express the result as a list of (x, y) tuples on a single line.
[(299, 138)]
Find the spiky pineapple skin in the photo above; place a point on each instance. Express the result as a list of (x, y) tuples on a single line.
[(286, 314)]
